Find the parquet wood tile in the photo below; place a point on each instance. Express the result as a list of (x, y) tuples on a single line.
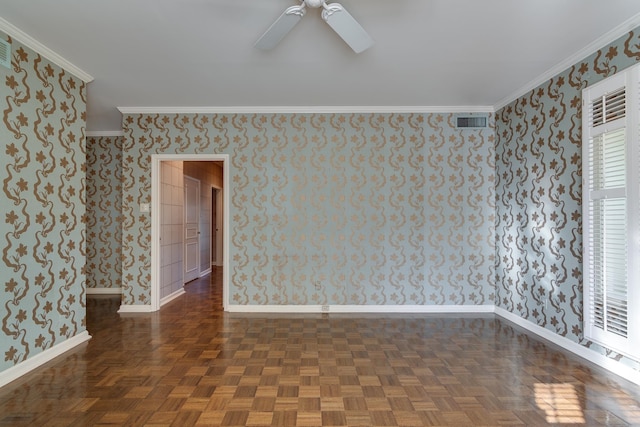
[(192, 364)]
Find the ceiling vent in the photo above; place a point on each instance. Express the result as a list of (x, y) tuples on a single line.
[(472, 121), (5, 53)]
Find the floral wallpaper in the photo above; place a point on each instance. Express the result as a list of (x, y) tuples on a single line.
[(350, 209), (42, 213), (539, 194), (104, 228)]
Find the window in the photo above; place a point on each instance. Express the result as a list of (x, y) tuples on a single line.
[(611, 212)]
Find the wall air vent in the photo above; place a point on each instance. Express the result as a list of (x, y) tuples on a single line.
[(5, 53), (472, 121)]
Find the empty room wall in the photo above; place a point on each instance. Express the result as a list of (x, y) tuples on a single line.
[(539, 195), (104, 200), (341, 209), (42, 285)]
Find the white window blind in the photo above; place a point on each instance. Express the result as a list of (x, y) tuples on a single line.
[(611, 221)]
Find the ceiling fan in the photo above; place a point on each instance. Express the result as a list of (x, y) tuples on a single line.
[(333, 14)]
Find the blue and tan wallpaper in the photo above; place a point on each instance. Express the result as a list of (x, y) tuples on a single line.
[(341, 209), (42, 213), (539, 194), (104, 209)]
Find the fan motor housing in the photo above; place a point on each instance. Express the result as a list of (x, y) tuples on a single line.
[(314, 3)]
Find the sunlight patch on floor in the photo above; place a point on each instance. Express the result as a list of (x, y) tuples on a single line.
[(560, 403)]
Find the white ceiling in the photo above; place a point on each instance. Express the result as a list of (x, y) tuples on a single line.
[(471, 55)]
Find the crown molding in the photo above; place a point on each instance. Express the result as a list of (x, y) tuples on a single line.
[(592, 47), (105, 133), (19, 35), (306, 110)]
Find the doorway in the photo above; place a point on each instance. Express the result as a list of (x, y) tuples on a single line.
[(216, 226), (191, 224), (157, 161)]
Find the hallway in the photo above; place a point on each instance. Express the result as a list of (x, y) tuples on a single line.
[(193, 364)]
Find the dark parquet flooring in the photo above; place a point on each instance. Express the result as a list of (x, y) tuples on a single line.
[(192, 364)]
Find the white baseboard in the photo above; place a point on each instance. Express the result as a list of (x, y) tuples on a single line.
[(204, 273), (104, 291), (171, 297), (139, 308), (610, 365), (39, 359), (439, 309), (134, 308)]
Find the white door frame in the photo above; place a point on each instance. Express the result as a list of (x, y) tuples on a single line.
[(155, 221)]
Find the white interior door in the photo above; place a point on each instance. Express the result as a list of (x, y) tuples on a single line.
[(191, 229)]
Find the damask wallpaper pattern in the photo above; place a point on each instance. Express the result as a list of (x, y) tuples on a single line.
[(349, 209), (380, 209), (104, 209), (42, 213), (539, 194)]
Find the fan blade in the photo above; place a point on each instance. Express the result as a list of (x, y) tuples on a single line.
[(347, 27), (281, 27)]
